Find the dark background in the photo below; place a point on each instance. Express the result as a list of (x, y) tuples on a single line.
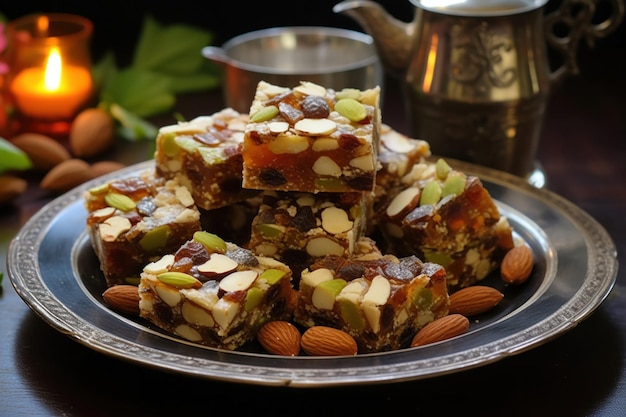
[(117, 24)]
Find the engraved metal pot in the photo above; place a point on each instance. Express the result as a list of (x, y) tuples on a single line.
[(477, 73)]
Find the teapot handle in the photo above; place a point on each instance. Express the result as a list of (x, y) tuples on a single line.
[(574, 17)]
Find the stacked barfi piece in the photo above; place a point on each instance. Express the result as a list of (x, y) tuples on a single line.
[(315, 154)]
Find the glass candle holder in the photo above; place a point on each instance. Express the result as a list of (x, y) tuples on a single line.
[(49, 78)]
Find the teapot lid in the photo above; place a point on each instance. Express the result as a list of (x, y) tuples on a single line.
[(479, 7)]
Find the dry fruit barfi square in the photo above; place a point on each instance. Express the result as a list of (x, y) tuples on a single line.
[(298, 228), (397, 155), (204, 155), (445, 216), (380, 300), (134, 219), (312, 139), (215, 293)]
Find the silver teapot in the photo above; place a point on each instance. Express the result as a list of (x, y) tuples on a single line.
[(477, 73)]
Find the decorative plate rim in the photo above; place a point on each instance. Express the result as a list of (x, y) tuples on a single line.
[(502, 338)]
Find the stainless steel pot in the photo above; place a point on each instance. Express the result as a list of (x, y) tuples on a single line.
[(332, 57)]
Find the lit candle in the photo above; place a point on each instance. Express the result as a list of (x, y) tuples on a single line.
[(53, 92)]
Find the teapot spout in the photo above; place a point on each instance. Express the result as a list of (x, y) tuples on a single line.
[(392, 37)]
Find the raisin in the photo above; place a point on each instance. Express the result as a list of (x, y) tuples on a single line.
[(183, 264), (287, 96), (146, 206), (386, 317), (272, 177), (315, 107), (290, 113), (398, 271), (351, 270), (332, 262), (413, 263), (419, 214), (348, 141), (163, 312), (133, 187), (304, 220), (282, 217), (243, 257), (133, 218), (362, 183), (193, 250)]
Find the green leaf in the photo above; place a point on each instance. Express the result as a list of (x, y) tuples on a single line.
[(194, 82), (140, 92), (103, 70), (11, 157), (174, 49), (132, 127)]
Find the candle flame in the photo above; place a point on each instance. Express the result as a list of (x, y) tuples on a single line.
[(53, 70), (42, 25)]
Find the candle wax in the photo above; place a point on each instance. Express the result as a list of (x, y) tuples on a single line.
[(35, 101)]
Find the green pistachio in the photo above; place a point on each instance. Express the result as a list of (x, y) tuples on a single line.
[(454, 184), (213, 243), (270, 230), (272, 276), (442, 169), (253, 298), (351, 109), (156, 238), (265, 114), (99, 189), (352, 93), (431, 194), (120, 201), (178, 279)]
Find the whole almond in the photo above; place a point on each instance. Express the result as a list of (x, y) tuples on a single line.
[(66, 175), (280, 338), (123, 298), (474, 300), (43, 151), (11, 187), (104, 167), (441, 329), (327, 341), (517, 265), (92, 133)]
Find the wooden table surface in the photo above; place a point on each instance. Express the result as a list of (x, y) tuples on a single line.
[(580, 373)]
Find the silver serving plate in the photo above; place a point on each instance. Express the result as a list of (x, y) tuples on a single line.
[(54, 270)]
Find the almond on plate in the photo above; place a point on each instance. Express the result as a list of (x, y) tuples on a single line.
[(441, 329), (280, 338), (517, 265), (327, 341), (123, 298), (474, 300)]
